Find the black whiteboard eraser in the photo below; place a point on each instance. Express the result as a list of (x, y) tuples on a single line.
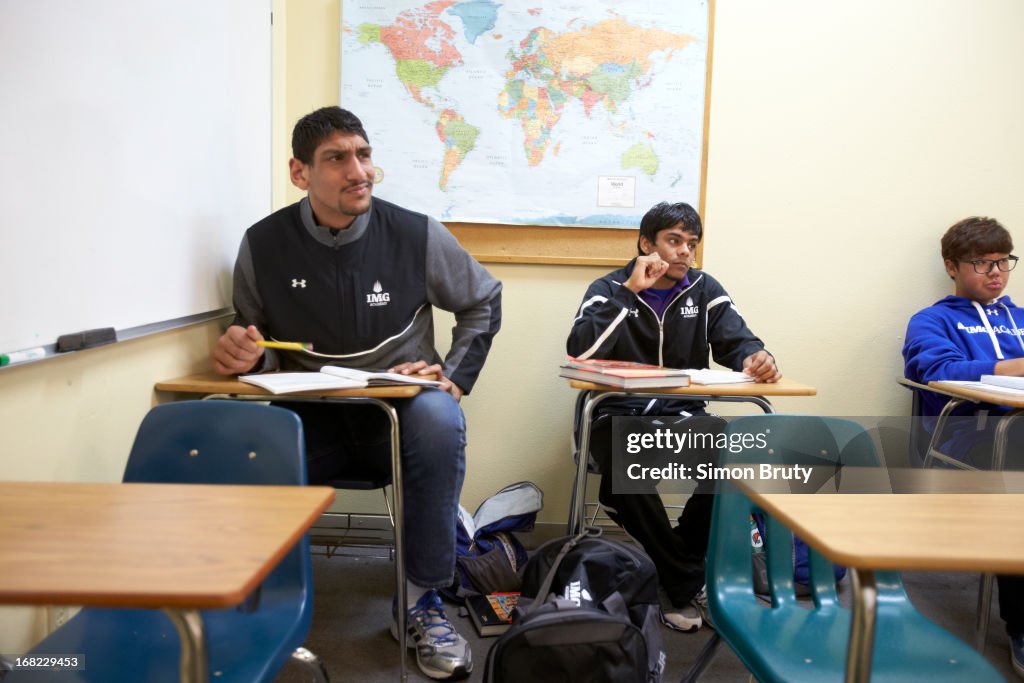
[(77, 341)]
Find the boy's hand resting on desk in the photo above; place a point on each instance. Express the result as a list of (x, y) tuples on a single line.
[(1010, 366), (421, 367), (236, 351), (761, 366), (646, 272)]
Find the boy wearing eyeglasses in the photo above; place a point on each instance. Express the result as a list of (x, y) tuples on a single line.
[(971, 333), (974, 331)]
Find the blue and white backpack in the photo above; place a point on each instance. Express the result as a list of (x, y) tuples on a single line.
[(489, 558)]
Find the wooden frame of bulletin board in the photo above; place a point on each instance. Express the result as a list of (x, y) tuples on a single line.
[(493, 243)]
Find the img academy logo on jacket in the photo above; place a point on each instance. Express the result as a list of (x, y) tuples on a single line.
[(701, 317), (378, 297), (688, 310)]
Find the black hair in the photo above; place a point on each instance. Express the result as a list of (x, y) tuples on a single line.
[(975, 236), (663, 216), (317, 126)]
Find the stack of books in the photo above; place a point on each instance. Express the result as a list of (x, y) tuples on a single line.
[(625, 374)]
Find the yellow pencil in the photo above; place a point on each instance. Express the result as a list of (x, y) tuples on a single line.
[(288, 346)]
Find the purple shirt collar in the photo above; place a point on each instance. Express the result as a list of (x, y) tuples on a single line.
[(658, 299)]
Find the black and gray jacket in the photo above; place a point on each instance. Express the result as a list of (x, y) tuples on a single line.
[(614, 323), (364, 296)]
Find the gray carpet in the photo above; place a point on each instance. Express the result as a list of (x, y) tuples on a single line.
[(353, 603)]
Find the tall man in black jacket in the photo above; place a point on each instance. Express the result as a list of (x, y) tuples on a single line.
[(661, 310), (358, 277)]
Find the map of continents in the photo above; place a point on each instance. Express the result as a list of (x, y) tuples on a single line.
[(482, 111)]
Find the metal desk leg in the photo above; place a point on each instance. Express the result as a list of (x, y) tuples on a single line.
[(933, 443), (862, 626), (578, 508), (981, 618), (759, 401), (982, 613), (1001, 437), (194, 664), (396, 489)]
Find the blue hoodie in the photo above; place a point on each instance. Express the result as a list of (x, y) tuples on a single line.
[(959, 339)]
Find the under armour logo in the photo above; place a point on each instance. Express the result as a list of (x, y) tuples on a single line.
[(992, 311), (299, 283), (635, 312)]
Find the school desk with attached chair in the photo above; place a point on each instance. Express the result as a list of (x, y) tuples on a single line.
[(214, 386)]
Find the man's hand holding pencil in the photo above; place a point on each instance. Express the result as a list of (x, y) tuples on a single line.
[(238, 350)]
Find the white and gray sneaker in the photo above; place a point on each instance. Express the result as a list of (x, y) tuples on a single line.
[(690, 617), (441, 652)]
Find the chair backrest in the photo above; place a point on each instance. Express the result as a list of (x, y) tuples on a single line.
[(235, 442), (791, 440), (218, 442), (787, 641)]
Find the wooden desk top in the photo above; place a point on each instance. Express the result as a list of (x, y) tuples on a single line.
[(947, 530), (212, 383), (784, 387), (146, 545), (999, 398)]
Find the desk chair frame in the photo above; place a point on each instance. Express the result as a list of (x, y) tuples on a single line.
[(932, 454), (397, 509), (768, 638), (168, 437), (577, 506)]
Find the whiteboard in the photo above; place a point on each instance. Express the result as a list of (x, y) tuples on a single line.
[(135, 139)]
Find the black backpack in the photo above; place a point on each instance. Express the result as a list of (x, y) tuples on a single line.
[(589, 612)]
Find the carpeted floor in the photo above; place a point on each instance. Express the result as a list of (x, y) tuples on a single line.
[(353, 606)]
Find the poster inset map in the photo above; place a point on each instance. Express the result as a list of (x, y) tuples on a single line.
[(557, 113)]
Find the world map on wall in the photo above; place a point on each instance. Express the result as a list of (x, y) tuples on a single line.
[(566, 113)]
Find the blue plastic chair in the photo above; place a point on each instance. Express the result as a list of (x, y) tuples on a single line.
[(788, 641), (205, 442)]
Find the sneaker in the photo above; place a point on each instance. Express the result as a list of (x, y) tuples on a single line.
[(441, 652), (691, 616), (1017, 654)]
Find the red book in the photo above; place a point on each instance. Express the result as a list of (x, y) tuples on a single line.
[(625, 374)]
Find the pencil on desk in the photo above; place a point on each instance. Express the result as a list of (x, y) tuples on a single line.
[(288, 346)]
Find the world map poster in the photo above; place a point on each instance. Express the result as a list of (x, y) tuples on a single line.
[(526, 113)]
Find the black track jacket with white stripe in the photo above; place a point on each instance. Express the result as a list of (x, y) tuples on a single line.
[(614, 323)]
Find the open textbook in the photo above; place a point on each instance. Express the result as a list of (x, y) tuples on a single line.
[(331, 377), (718, 377), (1005, 381), (1002, 384)]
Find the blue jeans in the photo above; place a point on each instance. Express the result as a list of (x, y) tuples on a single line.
[(352, 442)]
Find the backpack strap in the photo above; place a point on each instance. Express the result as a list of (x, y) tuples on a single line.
[(545, 587), (615, 605)]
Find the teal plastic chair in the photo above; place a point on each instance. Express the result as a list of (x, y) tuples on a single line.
[(788, 641), (205, 442)]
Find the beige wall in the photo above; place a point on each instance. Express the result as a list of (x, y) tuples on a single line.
[(844, 138)]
